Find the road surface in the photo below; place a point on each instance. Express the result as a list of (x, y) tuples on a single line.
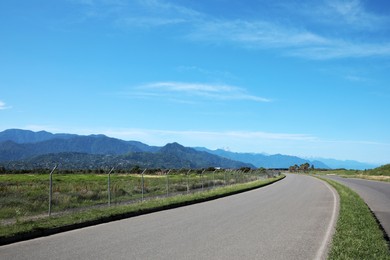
[(291, 219), (375, 193)]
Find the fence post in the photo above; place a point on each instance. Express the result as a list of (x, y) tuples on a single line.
[(142, 185), (188, 181), (214, 178), (51, 188), (201, 175), (109, 186), (167, 182)]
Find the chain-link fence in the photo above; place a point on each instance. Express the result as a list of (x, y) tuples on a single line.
[(33, 194)]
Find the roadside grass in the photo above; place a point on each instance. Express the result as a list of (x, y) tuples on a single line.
[(368, 177), (25, 229), (378, 174), (358, 235)]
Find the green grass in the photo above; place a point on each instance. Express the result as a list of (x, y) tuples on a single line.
[(39, 226), (383, 170), (358, 235), (25, 195), (378, 174)]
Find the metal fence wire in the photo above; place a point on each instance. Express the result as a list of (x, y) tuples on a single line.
[(71, 192)]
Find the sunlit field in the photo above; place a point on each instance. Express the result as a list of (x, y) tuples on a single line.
[(24, 195)]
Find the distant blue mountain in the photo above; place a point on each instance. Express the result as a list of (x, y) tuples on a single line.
[(26, 136), (21, 149), (348, 164), (18, 144), (265, 161)]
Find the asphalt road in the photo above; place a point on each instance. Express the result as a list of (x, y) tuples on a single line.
[(291, 219), (375, 193)]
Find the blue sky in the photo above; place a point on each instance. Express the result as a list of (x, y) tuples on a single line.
[(305, 78)]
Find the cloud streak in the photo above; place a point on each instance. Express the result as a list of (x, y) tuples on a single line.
[(211, 134), (328, 29), (3, 106), (291, 41), (352, 13), (253, 141), (255, 34), (208, 91), (289, 38)]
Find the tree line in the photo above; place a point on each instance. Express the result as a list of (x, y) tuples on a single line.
[(305, 167)]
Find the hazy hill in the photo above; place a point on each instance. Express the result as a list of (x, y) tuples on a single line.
[(198, 159), (265, 161), (169, 156), (16, 145), (20, 147), (26, 136), (348, 164), (382, 170)]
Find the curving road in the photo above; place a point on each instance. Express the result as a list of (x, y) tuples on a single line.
[(375, 193), (291, 219)]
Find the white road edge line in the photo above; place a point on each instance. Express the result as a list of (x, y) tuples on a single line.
[(322, 251)]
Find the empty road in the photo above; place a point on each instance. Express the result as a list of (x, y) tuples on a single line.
[(375, 193), (291, 219)]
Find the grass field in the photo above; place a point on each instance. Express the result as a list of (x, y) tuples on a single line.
[(38, 227), (378, 174), (358, 235), (24, 195)]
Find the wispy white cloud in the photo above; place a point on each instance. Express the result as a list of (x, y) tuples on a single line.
[(210, 134), (149, 21), (169, 8), (207, 72), (156, 13), (255, 34), (355, 78), (287, 38), (240, 141), (269, 136), (328, 29), (342, 49), (353, 13), (290, 41), (48, 128), (295, 40), (185, 89), (3, 106)]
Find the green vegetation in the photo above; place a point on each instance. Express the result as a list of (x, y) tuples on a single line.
[(358, 235), (23, 227), (383, 170), (305, 167), (86, 152), (378, 174), (24, 195)]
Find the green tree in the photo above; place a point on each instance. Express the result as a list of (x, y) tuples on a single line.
[(304, 167), (293, 168)]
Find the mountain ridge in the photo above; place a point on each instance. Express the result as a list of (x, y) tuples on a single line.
[(265, 161), (18, 144), (76, 151)]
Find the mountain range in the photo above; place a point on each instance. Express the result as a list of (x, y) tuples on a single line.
[(27, 149), (24, 149), (266, 161)]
